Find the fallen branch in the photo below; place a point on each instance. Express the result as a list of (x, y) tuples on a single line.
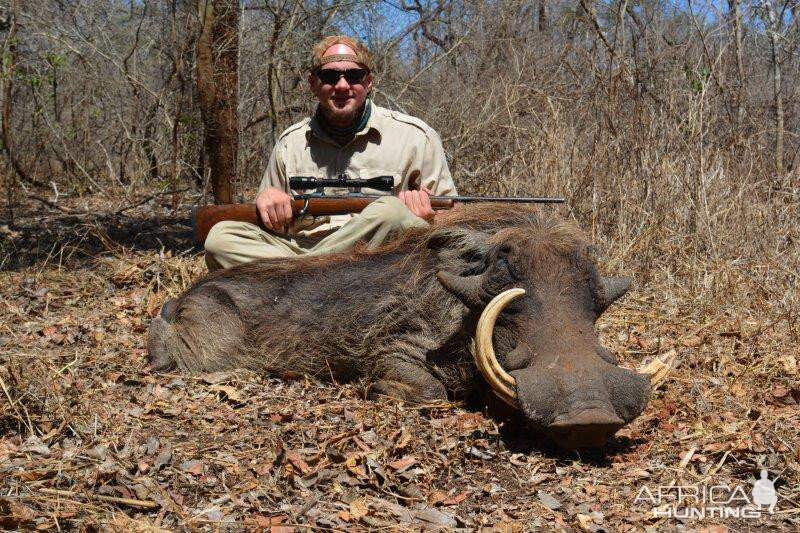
[(145, 504), (147, 199), (48, 203), (12, 404)]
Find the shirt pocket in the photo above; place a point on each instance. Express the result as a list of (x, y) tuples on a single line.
[(368, 173)]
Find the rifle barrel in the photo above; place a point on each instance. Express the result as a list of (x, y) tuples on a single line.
[(504, 199), (465, 199)]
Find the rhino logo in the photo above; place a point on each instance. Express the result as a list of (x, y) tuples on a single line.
[(764, 492)]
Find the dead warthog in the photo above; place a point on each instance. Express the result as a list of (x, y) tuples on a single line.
[(500, 289)]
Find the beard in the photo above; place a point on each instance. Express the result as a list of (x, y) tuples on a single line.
[(342, 117)]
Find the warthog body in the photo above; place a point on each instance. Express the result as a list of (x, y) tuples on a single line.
[(404, 316)]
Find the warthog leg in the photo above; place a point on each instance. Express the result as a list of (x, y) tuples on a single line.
[(406, 381)]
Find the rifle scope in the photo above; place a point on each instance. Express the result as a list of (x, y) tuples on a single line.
[(380, 183)]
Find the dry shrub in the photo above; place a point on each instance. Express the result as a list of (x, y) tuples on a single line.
[(690, 207)]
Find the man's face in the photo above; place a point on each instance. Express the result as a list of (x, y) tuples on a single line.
[(340, 101)]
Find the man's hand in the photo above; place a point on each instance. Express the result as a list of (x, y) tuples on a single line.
[(275, 209), (419, 202)]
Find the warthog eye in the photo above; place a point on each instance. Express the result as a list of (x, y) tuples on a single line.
[(520, 357), (504, 260)]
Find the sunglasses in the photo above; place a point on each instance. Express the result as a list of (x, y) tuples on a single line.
[(332, 76)]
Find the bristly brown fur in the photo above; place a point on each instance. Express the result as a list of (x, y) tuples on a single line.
[(492, 222), (363, 312)]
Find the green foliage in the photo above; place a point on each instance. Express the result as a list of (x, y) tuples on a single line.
[(35, 81), (7, 62), (697, 78), (77, 187), (185, 119), (56, 60), (163, 185)]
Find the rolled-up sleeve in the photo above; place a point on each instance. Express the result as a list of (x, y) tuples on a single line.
[(434, 172), (275, 174)]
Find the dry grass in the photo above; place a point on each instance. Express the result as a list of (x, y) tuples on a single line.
[(135, 451)]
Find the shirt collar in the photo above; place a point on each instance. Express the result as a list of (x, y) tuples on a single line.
[(372, 122)]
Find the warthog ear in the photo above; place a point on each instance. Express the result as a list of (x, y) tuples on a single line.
[(468, 289), (612, 290)]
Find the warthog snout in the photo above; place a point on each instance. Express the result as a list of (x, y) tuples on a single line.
[(584, 428), (558, 374), (581, 409)]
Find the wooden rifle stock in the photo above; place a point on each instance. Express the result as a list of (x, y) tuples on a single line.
[(203, 218)]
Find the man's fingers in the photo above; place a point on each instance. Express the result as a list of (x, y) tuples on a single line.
[(279, 220), (407, 198), (286, 213), (424, 209), (425, 202), (275, 209), (416, 203), (272, 218), (264, 215)]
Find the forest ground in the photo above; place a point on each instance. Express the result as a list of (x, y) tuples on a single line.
[(91, 440)]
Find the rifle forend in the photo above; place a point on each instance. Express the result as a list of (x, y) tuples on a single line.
[(204, 217)]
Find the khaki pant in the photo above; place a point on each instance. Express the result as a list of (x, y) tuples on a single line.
[(231, 243)]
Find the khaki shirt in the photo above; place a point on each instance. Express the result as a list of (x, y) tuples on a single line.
[(391, 144)]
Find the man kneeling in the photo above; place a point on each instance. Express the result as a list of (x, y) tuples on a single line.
[(348, 134)]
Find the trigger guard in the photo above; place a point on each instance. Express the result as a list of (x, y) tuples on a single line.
[(304, 210)]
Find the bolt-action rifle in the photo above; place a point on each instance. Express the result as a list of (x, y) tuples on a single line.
[(318, 203)]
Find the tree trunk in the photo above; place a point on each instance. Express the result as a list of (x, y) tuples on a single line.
[(218, 89), (736, 23), (149, 143), (619, 51), (542, 19), (774, 27), (10, 61)]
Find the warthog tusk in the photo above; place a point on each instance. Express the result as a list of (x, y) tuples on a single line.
[(658, 368), (500, 380)]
